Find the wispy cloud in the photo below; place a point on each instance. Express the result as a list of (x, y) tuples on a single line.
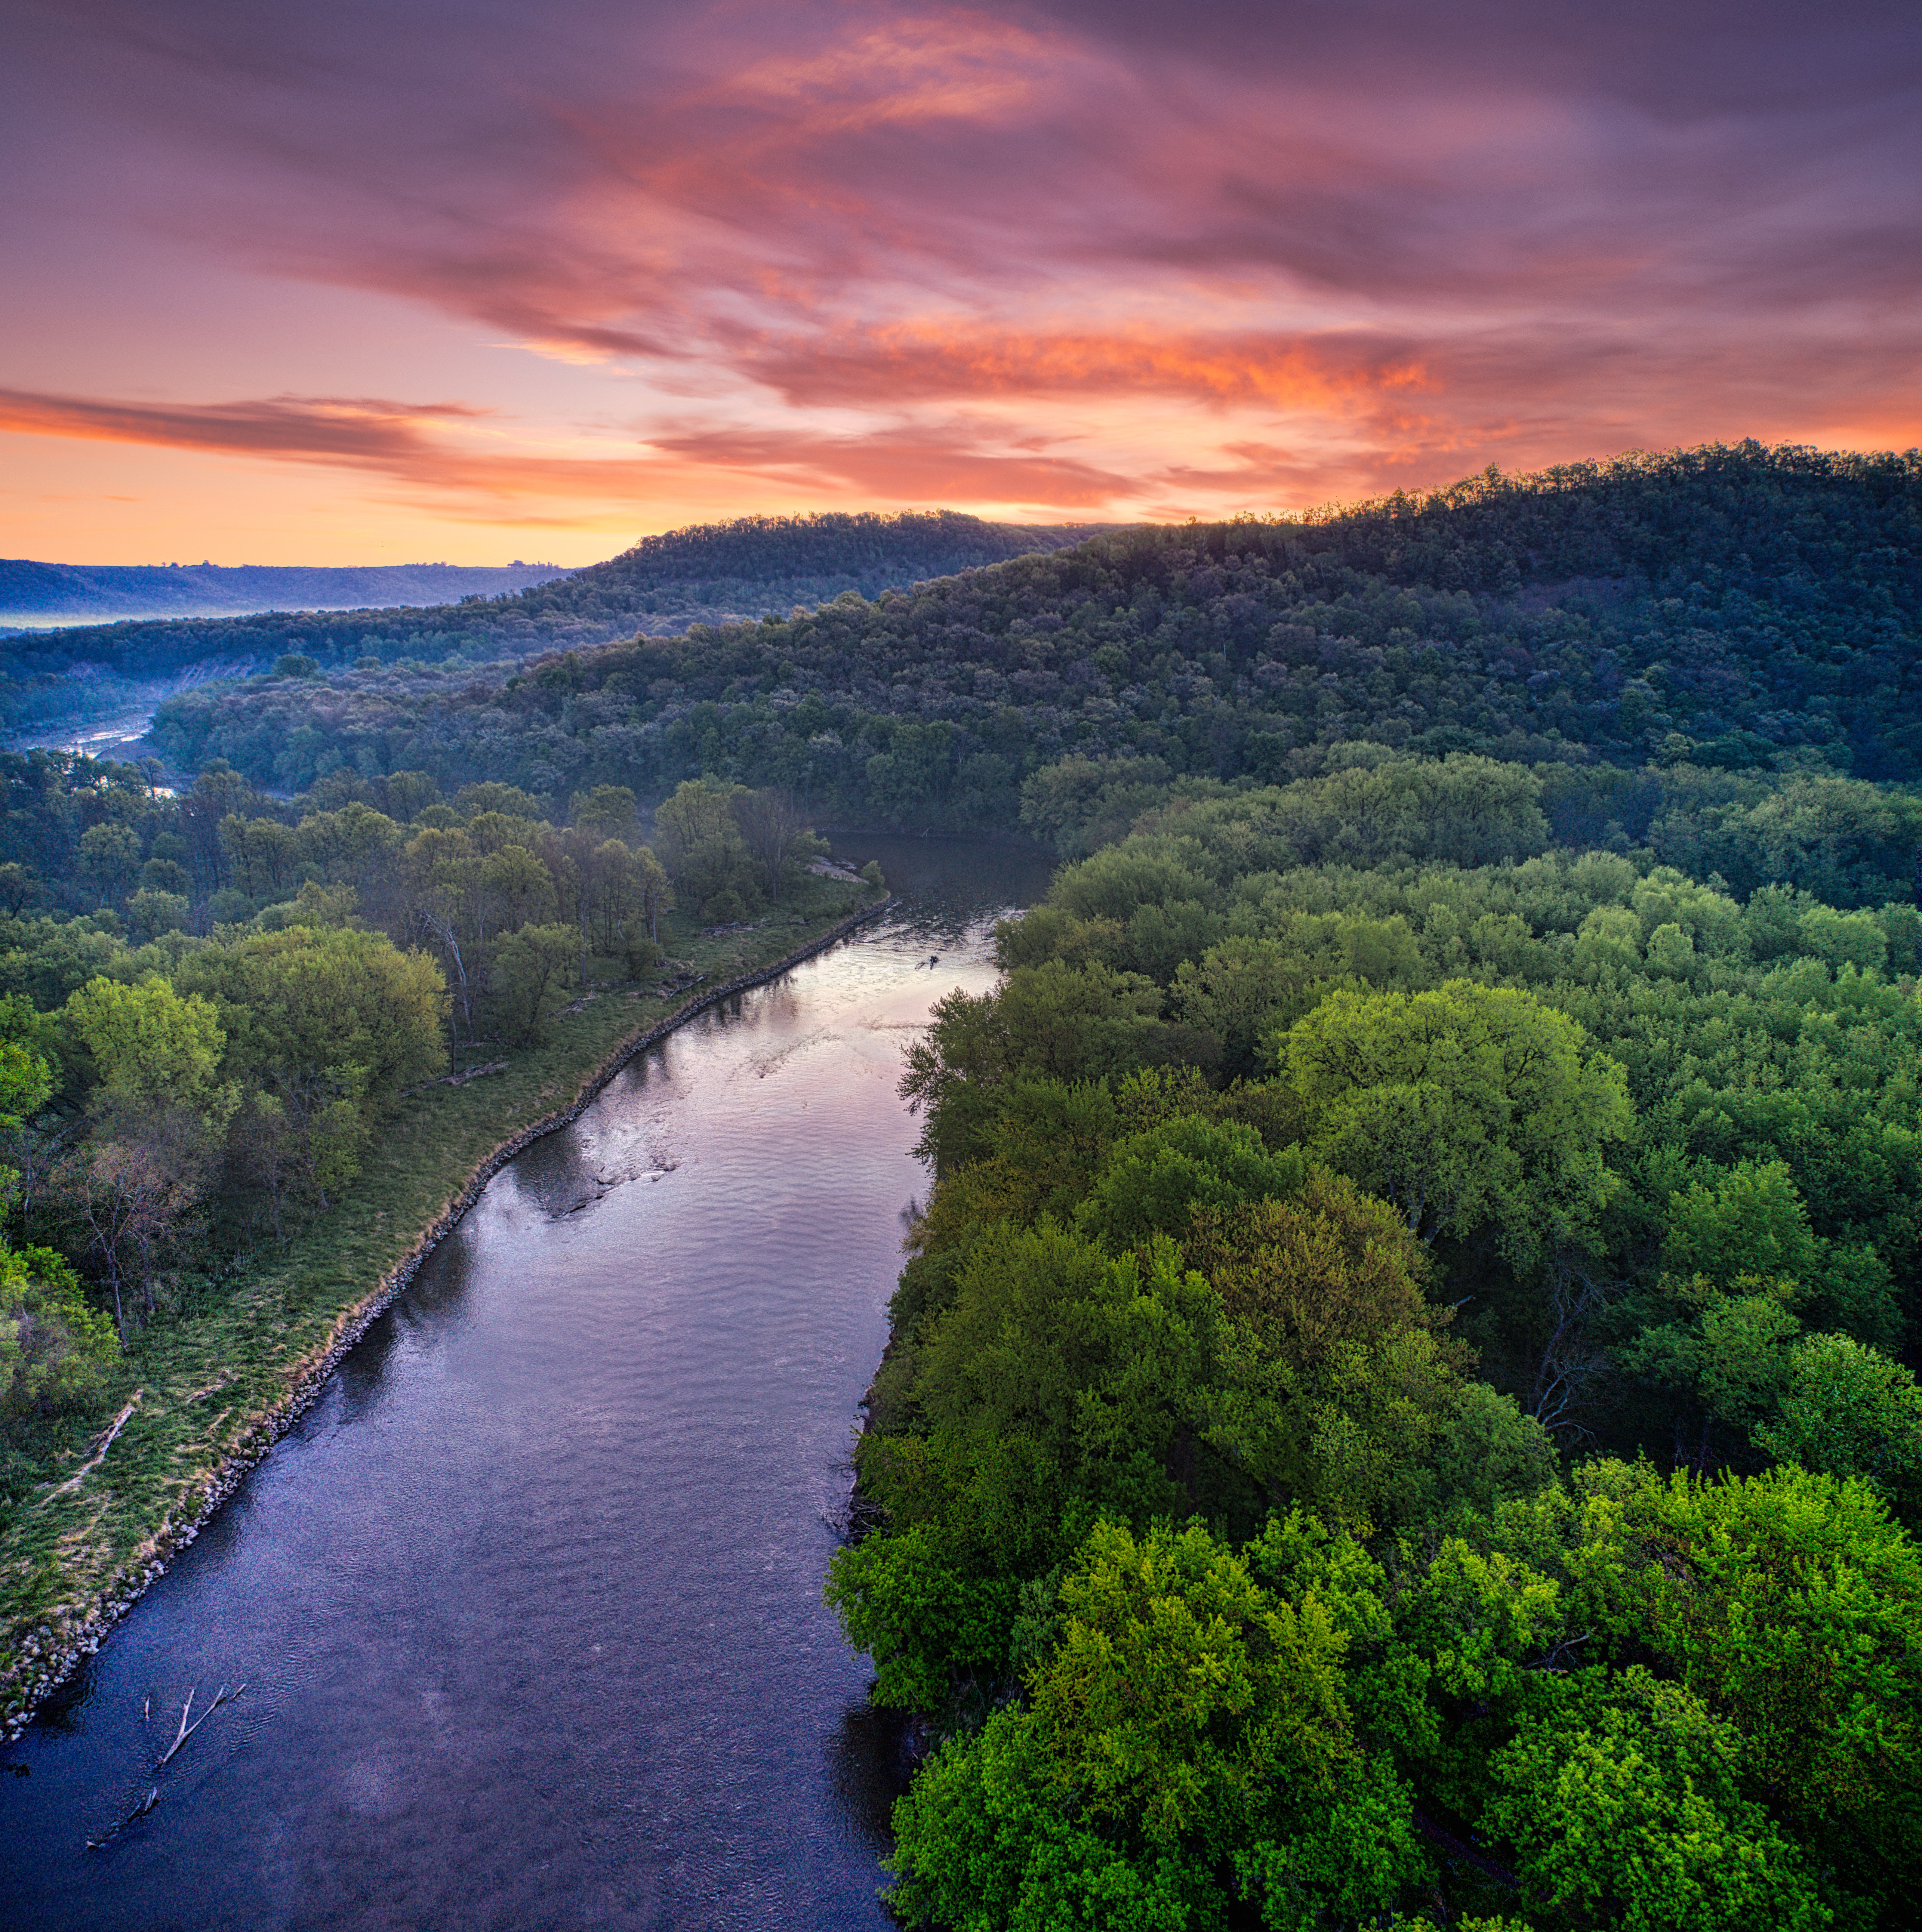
[(912, 466), (419, 446), (361, 432)]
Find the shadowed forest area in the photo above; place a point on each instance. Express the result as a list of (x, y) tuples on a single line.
[(1731, 611)]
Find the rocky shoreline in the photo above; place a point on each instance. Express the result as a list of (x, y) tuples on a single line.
[(47, 1657)]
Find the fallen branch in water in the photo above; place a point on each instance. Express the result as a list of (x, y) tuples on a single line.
[(187, 1730), (93, 1462), (140, 1810)]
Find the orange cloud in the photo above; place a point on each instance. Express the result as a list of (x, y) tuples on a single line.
[(952, 64), (359, 430), (910, 361), (923, 467), (408, 444)]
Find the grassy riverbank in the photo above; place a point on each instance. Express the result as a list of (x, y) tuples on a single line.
[(211, 1387)]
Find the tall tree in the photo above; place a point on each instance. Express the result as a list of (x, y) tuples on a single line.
[(1467, 1105)]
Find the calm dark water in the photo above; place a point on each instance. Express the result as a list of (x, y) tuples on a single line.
[(529, 1604)]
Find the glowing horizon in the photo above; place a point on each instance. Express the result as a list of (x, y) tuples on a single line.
[(471, 282)]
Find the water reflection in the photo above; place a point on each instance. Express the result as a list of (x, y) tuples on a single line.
[(528, 1604), (867, 1771)]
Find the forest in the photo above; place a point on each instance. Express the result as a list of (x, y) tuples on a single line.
[(1736, 610), (708, 573), (1400, 1407), (1395, 1411), (210, 1004)]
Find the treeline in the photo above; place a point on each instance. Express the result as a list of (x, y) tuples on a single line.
[(1394, 1414), (711, 573), (208, 1005), (1734, 611)]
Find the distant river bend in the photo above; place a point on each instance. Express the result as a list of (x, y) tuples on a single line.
[(529, 1603)]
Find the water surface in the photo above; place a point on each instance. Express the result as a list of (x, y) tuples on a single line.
[(529, 1603)]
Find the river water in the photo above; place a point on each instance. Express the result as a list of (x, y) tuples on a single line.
[(528, 1605)]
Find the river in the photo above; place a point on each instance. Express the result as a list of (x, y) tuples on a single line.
[(528, 1604)]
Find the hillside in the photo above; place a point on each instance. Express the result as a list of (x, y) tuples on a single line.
[(38, 595), (1728, 611), (713, 573)]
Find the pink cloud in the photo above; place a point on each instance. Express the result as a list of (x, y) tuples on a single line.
[(1070, 254)]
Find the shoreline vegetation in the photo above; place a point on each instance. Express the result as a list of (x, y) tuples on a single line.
[(208, 1398), (1395, 1413)]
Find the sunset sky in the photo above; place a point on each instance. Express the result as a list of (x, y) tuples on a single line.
[(410, 279)]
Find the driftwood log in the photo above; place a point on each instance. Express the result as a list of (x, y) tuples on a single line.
[(139, 1811), (93, 1461)]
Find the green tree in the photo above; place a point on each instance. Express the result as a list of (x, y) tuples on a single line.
[(110, 856), (519, 886), (606, 812), (1790, 1604), (531, 968), (1749, 1223), (1750, 1220), (25, 1082), (1177, 1690), (1246, 988), (304, 998), (1060, 1382), (1337, 1386), (1154, 1182), (151, 1046), (331, 1023), (1729, 1355), (1186, 1750), (54, 1349), (1467, 1106), (150, 913), (1844, 1409), (1631, 1814), (699, 838), (1049, 1021)]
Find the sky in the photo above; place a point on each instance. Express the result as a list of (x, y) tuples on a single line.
[(469, 281)]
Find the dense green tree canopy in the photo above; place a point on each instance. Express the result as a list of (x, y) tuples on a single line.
[(1393, 1404), (1467, 1105)]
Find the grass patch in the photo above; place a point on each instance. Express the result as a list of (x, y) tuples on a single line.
[(214, 1382)]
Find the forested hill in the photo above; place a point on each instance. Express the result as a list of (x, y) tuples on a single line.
[(738, 564), (71, 594), (711, 573), (1728, 610)]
